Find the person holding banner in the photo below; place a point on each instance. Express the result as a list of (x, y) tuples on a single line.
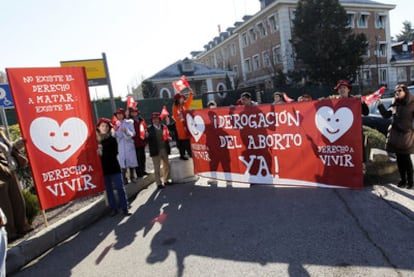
[(183, 136), (278, 98), (108, 150), (126, 148), (159, 147), (139, 140), (11, 197), (343, 88), (400, 138)]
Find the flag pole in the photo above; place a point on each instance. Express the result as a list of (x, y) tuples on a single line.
[(45, 218)]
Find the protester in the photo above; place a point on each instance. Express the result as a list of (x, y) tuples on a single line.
[(183, 136), (159, 138), (343, 88), (400, 139), (139, 140), (126, 148), (108, 150), (246, 99), (278, 98), (3, 243), (11, 198)]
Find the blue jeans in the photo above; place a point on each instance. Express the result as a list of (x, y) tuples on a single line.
[(3, 251), (119, 184)]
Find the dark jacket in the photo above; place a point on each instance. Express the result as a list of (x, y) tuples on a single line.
[(400, 138), (110, 164), (152, 141)]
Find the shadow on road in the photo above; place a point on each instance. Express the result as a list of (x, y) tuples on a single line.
[(260, 224)]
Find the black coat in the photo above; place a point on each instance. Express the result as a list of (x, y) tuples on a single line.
[(152, 142), (109, 158), (400, 138)]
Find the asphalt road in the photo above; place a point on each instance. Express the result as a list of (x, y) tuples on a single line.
[(198, 230)]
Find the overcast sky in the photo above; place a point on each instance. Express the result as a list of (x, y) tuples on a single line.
[(139, 37)]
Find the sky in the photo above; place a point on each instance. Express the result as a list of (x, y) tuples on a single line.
[(139, 37)]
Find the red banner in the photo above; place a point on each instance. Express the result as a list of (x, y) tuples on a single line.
[(55, 118), (311, 144)]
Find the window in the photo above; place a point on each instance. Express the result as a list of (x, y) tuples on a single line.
[(382, 49), (236, 69), (273, 22), (277, 57), (363, 20), (351, 19), (366, 75), (245, 40), (253, 35), (380, 21), (412, 73), (383, 76), (292, 14), (401, 74), (233, 50), (266, 59), (248, 65), (367, 53), (262, 29), (256, 62), (165, 93)]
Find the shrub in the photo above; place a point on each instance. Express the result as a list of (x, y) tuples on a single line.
[(375, 139), (32, 205)]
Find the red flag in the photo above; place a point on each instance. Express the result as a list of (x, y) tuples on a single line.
[(181, 84), (287, 98), (371, 98), (164, 112), (165, 134), (115, 122), (131, 103), (142, 129)]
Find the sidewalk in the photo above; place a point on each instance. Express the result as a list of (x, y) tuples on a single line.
[(28, 250)]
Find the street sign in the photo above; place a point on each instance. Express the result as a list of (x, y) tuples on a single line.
[(6, 100)]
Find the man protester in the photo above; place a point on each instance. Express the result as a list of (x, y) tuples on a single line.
[(159, 147), (3, 244)]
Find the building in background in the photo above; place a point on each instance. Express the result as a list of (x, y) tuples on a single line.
[(258, 48), (402, 62), (202, 78)]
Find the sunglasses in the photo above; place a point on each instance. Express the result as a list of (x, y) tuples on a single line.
[(398, 90)]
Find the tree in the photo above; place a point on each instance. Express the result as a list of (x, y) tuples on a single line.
[(324, 44), (407, 33), (148, 89)]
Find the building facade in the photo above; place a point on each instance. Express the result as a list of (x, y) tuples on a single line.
[(259, 46)]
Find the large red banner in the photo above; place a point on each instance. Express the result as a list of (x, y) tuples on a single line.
[(55, 118), (311, 144)]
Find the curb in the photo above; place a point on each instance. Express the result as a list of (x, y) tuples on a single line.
[(28, 250)]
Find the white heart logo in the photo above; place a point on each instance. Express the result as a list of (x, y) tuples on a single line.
[(333, 125), (196, 126), (59, 142)]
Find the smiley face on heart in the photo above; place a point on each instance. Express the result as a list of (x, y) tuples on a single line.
[(58, 142), (333, 125), (196, 126)]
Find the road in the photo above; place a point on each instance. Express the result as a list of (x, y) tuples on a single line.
[(200, 230)]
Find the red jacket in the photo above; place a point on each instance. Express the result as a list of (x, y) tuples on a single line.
[(140, 128)]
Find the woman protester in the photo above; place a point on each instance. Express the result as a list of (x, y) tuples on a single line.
[(400, 138), (108, 150)]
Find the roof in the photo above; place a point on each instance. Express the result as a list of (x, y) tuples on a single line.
[(175, 71)]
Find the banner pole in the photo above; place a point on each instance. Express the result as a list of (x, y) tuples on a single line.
[(108, 79), (45, 218)]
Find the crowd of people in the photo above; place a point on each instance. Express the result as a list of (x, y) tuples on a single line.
[(123, 140)]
